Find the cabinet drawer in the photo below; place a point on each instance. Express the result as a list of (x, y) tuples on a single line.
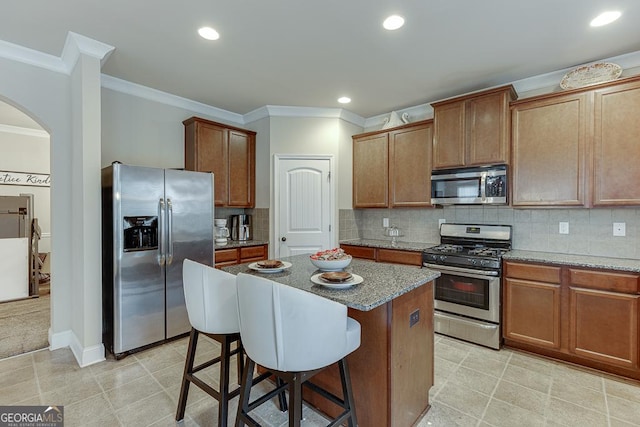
[(225, 255), (541, 273), (253, 252), (399, 257), (360, 251), (607, 281)]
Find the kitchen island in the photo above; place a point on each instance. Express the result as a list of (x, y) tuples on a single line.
[(392, 370)]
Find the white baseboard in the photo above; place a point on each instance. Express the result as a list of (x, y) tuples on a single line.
[(85, 356)]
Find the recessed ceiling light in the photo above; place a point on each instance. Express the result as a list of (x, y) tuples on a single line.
[(344, 100), (208, 33), (605, 18), (393, 22)]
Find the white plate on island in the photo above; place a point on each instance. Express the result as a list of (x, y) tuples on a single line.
[(256, 267), (354, 280)]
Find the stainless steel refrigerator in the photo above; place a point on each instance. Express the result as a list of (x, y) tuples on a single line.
[(152, 219)]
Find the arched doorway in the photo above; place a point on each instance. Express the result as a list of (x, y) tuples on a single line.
[(25, 321)]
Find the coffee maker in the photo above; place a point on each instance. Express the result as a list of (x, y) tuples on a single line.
[(221, 232), (241, 227)]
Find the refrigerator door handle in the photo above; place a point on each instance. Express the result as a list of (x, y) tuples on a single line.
[(169, 232), (161, 228)]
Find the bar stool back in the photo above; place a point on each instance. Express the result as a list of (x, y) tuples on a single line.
[(211, 301), (294, 334)]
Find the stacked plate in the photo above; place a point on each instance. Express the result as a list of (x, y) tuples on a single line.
[(269, 266), (336, 279)]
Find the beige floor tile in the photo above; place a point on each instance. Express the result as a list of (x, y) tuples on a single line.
[(52, 379), (527, 378), (488, 365), (93, 411), (574, 376), (463, 399), (474, 380), (452, 353), (111, 364), (82, 389), (441, 415), (521, 397), (147, 411), (582, 396), (120, 376), (17, 376), (159, 358), (132, 392), (532, 363), (14, 363), (569, 414), (623, 409), (614, 422), (502, 414), (14, 393), (622, 389)]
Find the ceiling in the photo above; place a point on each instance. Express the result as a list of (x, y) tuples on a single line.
[(306, 53)]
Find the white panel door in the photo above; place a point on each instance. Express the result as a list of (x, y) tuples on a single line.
[(304, 196)]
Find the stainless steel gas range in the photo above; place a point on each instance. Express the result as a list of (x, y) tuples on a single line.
[(468, 292)]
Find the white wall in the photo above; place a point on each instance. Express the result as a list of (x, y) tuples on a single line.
[(27, 151), (44, 95)]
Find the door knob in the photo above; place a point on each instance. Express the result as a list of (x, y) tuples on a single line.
[(284, 239)]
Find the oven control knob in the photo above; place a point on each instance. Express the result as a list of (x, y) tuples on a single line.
[(442, 257), (474, 261)]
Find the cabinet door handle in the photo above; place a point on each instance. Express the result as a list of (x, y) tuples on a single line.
[(284, 239)]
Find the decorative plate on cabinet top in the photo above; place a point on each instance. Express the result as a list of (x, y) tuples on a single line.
[(592, 74)]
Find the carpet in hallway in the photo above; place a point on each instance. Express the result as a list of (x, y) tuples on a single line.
[(24, 325)]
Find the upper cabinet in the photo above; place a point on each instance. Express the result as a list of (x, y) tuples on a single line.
[(229, 153), (578, 148), (549, 150), (616, 145), (392, 167), (472, 130)]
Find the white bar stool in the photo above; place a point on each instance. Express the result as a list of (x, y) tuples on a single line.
[(294, 334), (211, 301)]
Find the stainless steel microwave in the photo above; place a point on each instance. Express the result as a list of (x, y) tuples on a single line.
[(470, 186)]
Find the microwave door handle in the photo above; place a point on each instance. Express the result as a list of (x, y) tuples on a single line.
[(161, 231), (483, 186)]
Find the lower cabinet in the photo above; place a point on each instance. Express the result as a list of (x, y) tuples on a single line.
[(532, 304), (396, 256), (588, 317), (233, 256)]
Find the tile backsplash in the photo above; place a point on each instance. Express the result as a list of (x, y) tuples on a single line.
[(590, 230)]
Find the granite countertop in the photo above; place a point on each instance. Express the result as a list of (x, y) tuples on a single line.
[(386, 244), (382, 282), (232, 244), (590, 261)]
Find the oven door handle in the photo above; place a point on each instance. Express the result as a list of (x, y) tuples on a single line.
[(478, 274)]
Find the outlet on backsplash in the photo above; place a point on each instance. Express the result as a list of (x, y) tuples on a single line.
[(619, 229)]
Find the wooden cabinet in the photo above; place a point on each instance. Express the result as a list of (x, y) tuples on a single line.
[(472, 129), (232, 256), (229, 153), (396, 256), (577, 148), (616, 145), (532, 304), (603, 313), (584, 316), (549, 146), (392, 168)]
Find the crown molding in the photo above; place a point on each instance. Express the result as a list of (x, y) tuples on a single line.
[(308, 112), (77, 44), (28, 56), (542, 81), (155, 95), (17, 130)]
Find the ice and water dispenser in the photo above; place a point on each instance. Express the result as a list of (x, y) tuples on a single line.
[(140, 233)]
